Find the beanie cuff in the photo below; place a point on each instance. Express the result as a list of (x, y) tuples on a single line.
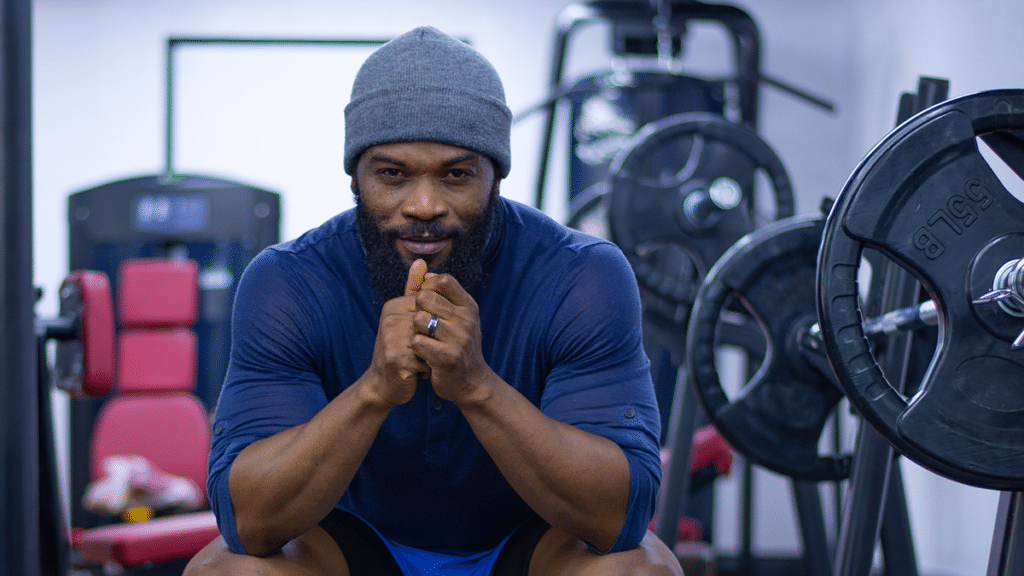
[(449, 115)]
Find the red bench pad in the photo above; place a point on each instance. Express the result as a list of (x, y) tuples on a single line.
[(168, 538)]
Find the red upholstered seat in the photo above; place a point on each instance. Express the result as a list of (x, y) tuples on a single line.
[(154, 413), (170, 430)]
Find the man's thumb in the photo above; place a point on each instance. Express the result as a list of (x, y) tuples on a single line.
[(417, 273)]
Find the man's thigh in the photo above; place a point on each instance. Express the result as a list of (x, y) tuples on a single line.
[(558, 554), (313, 554)]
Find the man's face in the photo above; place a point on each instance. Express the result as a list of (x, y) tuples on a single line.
[(423, 200)]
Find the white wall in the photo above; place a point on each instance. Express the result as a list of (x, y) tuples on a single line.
[(272, 117)]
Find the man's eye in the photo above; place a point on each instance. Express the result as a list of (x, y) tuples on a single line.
[(459, 173), (390, 172)]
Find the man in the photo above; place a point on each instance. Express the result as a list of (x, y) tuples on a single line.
[(439, 381)]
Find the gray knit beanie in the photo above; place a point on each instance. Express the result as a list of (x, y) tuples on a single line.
[(426, 85)]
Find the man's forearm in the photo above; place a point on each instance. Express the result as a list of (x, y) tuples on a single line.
[(577, 481), (283, 485)]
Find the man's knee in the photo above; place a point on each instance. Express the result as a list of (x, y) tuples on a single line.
[(210, 567), (559, 553), (651, 558), (234, 565), (656, 568), (315, 552), (217, 560), (205, 562), (658, 559)]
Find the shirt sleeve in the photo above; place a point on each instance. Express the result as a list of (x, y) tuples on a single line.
[(272, 359), (600, 379)]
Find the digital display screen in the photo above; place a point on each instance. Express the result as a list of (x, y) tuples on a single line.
[(171, 213)]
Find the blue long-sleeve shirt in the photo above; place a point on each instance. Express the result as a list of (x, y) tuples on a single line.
[(560, 316)]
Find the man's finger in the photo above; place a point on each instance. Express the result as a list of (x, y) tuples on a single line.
[(417, 273), (448, 288)]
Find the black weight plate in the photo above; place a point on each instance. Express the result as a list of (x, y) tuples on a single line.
[(660, 195), (670, 268), (927, 199), (778, 417)]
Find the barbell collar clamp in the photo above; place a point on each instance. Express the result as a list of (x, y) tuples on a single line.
[(1008, 292)]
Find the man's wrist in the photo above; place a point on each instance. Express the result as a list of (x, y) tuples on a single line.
[(368, 397), (480, 395)]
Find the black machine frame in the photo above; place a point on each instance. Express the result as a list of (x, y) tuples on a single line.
[(667, 20)]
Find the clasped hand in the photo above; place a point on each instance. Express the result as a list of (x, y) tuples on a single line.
[(451, 359)]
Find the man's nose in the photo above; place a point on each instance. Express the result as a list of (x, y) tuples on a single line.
[(425, 201)]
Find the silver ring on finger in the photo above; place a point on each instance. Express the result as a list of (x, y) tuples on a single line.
[(432, 325)]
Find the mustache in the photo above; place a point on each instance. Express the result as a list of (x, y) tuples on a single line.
[(424, 230)]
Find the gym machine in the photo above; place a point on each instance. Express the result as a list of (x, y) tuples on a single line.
[(667, 165), (641, 132)]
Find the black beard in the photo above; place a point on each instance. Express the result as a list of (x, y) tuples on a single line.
[(388, 271)]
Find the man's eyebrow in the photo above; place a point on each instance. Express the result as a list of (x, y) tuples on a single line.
[(387, 159), (462, 158)]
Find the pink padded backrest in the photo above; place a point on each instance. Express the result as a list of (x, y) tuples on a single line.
[(157, 360), (158, 304), (158, 292)]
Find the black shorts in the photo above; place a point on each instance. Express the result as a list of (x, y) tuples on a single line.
[(366, 554)]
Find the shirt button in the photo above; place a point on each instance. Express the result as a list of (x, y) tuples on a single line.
[(218, 429), (438, 404), (629, 413)]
